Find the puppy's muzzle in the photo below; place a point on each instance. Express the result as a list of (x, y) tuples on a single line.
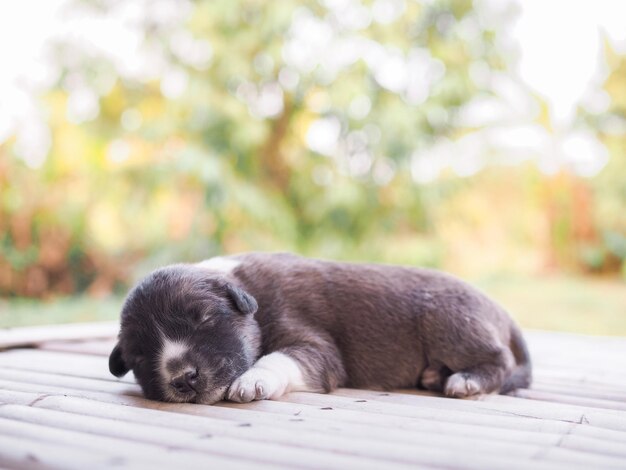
[(187, 382)]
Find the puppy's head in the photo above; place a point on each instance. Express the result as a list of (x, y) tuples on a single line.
[(186, 333)]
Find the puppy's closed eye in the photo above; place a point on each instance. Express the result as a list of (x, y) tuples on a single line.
[(200, 317), (208, 317)]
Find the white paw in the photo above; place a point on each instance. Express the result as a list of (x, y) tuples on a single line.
[(256, 384), (461, 385)]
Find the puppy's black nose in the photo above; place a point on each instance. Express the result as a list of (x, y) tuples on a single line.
[(186, 382)]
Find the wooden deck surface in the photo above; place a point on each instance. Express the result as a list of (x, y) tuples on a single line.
[(60, 408)]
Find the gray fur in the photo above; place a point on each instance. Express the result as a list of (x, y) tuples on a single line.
[(361, 325)]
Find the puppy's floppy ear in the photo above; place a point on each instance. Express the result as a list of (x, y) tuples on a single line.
[(117, 366), (245, 303)]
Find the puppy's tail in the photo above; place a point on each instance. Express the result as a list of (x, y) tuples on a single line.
[(522, 376)]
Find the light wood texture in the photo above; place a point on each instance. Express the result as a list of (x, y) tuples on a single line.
[(32, 336), (60, 408)]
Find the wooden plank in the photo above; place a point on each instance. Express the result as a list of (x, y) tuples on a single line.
[(489, 404), (576, 442), (601, 357), (77, 383), (581, 389), (96, 348), (20, 452), (562, 398), (597, 376), (74, 365), (603, 364), (432, 420), (611, 373), (554, 340), (412, 453), (290, 412), (17, 398), (119, 450), (490, 454), (299, 453), (410, 435), (267, 452), (241, 416), (419, 399), (31, 336)]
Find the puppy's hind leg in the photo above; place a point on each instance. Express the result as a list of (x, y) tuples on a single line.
[(482, 378)]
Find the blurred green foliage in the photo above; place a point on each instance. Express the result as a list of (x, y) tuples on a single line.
[(253, 139)]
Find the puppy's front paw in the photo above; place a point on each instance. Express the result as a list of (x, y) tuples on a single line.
[(461, 385), (255, 384)]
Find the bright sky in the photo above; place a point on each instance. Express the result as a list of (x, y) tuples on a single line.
[(560, 46), (560, 43)]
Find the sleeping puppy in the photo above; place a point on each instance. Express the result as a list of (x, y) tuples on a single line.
[(255, 326)]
